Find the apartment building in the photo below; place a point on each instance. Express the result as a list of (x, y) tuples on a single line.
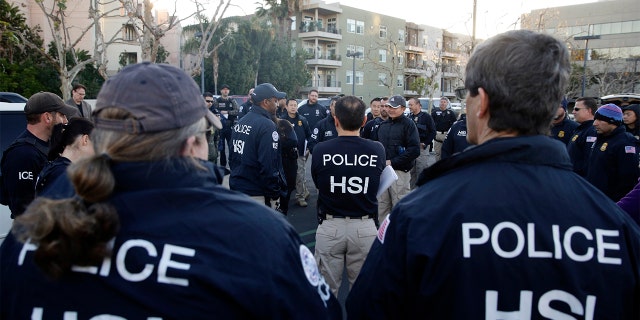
[(117, 27), (604, 36), (371, 54)]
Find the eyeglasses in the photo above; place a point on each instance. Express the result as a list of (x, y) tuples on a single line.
[(209, 101)]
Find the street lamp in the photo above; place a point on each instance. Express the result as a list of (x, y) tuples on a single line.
[(586, 52), (354, 55), (198, 35)]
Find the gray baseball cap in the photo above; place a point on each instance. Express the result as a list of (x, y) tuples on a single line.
[(396, 102), (159, 96), (42, 102)]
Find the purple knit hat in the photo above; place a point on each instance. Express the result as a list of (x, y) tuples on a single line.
[(609, 113)]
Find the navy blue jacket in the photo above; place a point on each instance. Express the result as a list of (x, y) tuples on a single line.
[(302, 129), (399, 137), (324, 130), (187, 248), (370, 127), (346, 171), (313, 113), (613, 163), (563, 131), (579, 147), (426, 126), (50, 173), (443, 119), (255, 160), (456, 139), (20, 168), (503, 226)]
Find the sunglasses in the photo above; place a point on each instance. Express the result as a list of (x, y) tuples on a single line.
[(209, 101), (577, 109)]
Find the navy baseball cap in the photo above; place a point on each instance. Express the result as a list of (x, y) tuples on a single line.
[(266, 91), (42, 102), (159, 96), (396, 102), (225, 86)]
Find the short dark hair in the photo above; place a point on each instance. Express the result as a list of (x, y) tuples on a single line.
[(590, 103), (349, 111), (375, 99), (520, 99), (78, 85), (207, 94), (290, 100)]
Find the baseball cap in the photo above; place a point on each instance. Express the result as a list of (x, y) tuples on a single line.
[(266, 91), (42, 102), (396, 102), (225, 86), (609, 113), (159, 96)]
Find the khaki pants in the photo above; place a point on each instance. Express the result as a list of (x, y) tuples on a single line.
[(422, 162), (340, 241), (437, 146), (393, 194), (301, 187)]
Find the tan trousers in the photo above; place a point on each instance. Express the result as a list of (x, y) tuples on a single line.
[(422, 162), (393, 194), (301, 186), (340, 241), (437, 146)]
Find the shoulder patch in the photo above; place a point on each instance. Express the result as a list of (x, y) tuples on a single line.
[(275, 136), (591, 139), (315, 130), (309, 266), (382, 231), (629, 149)]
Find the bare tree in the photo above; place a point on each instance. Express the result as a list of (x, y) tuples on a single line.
[(67, 37), (392, 64)]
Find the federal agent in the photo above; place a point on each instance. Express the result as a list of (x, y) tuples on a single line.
[(23, 160), (372, 125), (399, 136), (346, 170), (303, 133), (631, 119), (255, 162), (158, 234), (456, 139), (504, 252), (613, 162), (312, 110), (325, 129), (426, 131), (584, 135), (228, 109), (562, 127), (444, 118)]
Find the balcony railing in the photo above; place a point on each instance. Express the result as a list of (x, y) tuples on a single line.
[(324, 82), (313, 26)]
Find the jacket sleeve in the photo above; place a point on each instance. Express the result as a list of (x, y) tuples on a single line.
[(631, 203), (431, 129), (412, 146), (627, 172), (268, 158), (447, 144), (316, 136)]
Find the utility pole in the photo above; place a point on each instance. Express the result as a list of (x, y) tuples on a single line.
[(586, 55)]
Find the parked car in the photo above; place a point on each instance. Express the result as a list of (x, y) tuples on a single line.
[(12, 97), (12, 123), (621, 99)]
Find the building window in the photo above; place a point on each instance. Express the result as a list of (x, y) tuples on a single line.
[(359, 78), (360, 27), (401, 35), (400, 81), (382, 79), (383, 55), (128, 32), (127, 58), (351, 26), (383, 31), (349, 76), (360, 49), (332, 25), (293, 23)]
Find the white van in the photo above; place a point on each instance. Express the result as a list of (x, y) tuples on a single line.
[(12, 123)]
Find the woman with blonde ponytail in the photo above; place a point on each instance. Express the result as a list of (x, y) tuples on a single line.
[(149, 232)]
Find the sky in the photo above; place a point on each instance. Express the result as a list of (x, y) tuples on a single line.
[(494, 16)]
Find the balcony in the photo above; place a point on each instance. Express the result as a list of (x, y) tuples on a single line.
[(313, 30), (324, 85), (324, 60), (408, 47), (413, 67)]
